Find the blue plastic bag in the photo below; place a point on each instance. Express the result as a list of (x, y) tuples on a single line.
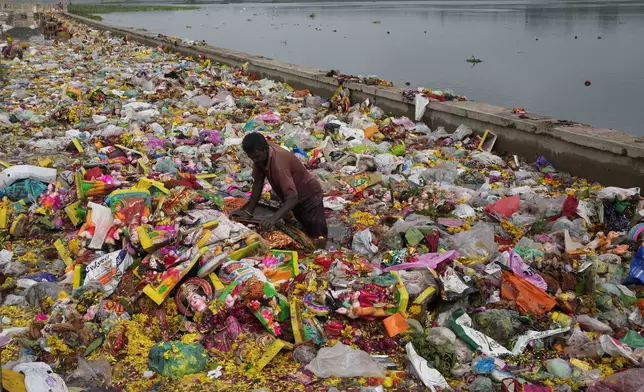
[(636, 275), (483, 365)]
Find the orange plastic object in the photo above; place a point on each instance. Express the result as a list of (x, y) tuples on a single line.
[(395, 324), (528, 296), (370, 131)]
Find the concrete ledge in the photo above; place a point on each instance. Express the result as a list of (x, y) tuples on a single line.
[(604, 155)]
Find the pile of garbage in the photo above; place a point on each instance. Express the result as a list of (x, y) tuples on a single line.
[(447, 267)]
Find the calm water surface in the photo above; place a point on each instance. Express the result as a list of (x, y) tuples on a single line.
[(530, 56)]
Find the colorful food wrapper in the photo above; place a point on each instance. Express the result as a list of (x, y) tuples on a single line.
[(108, 270)]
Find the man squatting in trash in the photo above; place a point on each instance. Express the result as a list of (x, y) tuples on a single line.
[(297, 189)]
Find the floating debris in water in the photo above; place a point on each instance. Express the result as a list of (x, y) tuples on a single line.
[(473, 60)]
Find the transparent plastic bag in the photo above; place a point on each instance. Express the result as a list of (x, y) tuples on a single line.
[(495, 323), (362, 243), (559, 368), (418, 280), (38, 292), (576, 228), (629, 380), (478, 242), (443, 172), (95, 371), (592, 324), (461, 133), (386, 163), (182, 359), (343, 361)]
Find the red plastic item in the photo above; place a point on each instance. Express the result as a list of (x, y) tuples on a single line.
[(505, 207), (333, 328)]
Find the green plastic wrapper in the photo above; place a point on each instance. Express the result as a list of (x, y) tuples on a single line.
[(182, 359), (633, 339)]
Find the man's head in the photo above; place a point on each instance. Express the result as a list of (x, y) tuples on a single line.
[(256, 147)]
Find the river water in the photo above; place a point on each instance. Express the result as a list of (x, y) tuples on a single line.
[(531, 58)]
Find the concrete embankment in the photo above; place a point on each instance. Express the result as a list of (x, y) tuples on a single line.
[(602, 155)]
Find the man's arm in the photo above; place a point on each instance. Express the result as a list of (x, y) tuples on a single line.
[(287, 206), (256, 192), (290, 200)]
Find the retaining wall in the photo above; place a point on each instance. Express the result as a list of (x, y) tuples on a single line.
[(604, 155)]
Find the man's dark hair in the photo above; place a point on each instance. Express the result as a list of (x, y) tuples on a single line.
[(253, 142)]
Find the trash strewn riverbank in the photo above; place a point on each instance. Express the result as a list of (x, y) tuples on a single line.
[(448, 267)]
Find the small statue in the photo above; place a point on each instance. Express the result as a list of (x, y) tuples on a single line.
[(193, 296)]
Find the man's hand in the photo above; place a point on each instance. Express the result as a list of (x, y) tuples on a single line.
[(241, 213), (269, 223)]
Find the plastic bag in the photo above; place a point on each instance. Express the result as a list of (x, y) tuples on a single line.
[(355, 135), (523, 340), (478, 242), (26, 190), (5, 256), (578, 345), (38, 292), (15, 268), (516, 264), (461, 324), (182, 359), (343, 361), (386, 163), (464, 211), (480, 384), (108, 270), (362, 243), (102, 220), (611, 193), (13, 299), (483, 365), (111, 130), (428, 260), (335, 203), (559, 368), (486, 158), (463, 352), (304, 354), (617, 319), (633, 339), (461, 133), (455, 285), (443, 172), (636, 274), (629, 380), (592, 324), (544, 206), (575, 228), (21, 172), (505, 207), (529, 297), (420, 103), (94, 370), (39, 377), (495, 323), (418, 280), (430, 377), (615, 348)]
